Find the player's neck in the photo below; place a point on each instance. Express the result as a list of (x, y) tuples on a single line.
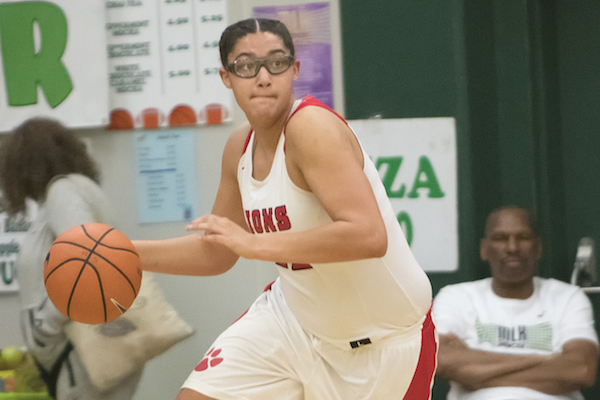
[(268, 130)]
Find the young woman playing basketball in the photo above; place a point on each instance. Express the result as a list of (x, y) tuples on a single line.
[(348, 317)]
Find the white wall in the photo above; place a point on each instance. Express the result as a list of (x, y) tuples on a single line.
[(209, 304)]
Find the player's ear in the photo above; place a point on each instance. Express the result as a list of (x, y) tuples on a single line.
[(225, 77), (296, 67)]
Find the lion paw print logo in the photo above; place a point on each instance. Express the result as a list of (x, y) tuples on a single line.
[(211, 359)]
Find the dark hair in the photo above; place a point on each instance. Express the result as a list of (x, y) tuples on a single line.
[(37, 151), (240, 29), (493, 217)]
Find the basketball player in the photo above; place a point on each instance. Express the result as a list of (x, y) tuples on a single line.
[(348, 317)]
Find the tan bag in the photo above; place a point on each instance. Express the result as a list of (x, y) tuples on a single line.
[(114, 350)]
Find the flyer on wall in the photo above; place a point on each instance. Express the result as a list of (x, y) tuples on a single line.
[(166, 179), (310, 27), (12, 233)]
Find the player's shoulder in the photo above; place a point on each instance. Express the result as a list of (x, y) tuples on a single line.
[(314, 127), (237, 141), (313, 114)]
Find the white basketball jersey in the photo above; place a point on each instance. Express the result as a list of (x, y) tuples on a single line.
[(358, 301)]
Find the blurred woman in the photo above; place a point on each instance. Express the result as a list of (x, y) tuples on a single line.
[(42, 161)]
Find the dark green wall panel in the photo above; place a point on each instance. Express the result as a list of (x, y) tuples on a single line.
[(398, 59), (522, 80)]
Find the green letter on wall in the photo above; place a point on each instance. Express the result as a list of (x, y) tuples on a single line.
[(393, 166), (24, 69), (430, 181)]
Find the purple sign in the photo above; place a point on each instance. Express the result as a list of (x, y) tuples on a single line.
[(311, 31)]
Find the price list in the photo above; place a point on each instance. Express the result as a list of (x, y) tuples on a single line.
[(164, 62), (166, 179)]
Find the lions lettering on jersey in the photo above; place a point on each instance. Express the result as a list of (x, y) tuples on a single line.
[(268, 220), (272, 219)]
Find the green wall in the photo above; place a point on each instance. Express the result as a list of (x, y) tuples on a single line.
[(522, 80)]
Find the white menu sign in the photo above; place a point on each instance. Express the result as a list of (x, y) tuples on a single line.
[(163, 62)]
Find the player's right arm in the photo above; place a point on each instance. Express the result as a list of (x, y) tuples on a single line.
[(188, 255)]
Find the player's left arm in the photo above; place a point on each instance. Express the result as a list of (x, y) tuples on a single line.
[(323, 156)]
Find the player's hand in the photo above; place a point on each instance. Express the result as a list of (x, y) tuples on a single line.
[(224, 231)]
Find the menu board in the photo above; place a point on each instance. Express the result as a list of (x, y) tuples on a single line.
[(163, 63)]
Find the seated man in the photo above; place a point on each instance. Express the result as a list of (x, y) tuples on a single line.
[(515, 335)]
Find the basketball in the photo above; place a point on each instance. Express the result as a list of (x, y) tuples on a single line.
[(92, 273)]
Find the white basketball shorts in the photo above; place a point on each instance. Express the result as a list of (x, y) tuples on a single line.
[(267, 355)]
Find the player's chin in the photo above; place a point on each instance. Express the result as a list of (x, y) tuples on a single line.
[(264, 111)]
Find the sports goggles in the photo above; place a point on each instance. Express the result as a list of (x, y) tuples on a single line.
[(248, 67)]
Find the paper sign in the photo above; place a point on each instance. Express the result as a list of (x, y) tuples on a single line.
[(166, 179), (416, 159)]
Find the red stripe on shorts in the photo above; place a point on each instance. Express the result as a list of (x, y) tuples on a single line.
[(422, 381), (246, 312)]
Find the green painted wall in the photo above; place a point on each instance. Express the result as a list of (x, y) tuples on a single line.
[(522, 80)]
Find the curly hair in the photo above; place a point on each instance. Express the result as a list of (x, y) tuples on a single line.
[(37, 151)]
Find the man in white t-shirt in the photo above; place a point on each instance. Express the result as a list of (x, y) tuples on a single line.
[(514, 335)]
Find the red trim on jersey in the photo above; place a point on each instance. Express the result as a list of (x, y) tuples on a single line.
[(422, 382), (247, 141), (308, 100)]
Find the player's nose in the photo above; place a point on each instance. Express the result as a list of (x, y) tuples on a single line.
[(263, 77)]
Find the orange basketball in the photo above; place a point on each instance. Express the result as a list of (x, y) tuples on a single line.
[(92, 273)]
